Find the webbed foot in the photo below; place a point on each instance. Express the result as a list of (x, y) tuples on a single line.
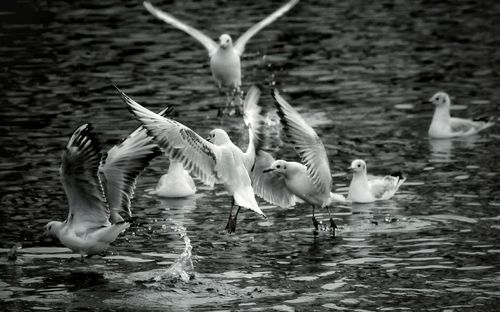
[(231, 225)]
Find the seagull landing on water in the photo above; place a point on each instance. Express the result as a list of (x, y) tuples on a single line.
[(224, 56), (215, 160), (367, 189), (98, 189), (443, 126), (283, 183)]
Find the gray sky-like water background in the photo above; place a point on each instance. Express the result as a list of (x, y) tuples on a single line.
[(358, 71)]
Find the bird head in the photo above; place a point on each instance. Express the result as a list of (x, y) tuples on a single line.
[(225, 41), (279, 167), (357, 166), (218, 137), (52, 228), (440, 99)]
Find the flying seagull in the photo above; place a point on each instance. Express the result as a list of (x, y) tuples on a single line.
[(99, 189), (224, 56), (284, 182), (214, 160)]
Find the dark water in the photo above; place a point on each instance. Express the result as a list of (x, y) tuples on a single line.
[(357, 71)]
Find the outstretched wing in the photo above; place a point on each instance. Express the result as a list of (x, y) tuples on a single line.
[(179, 142), (306, 143), (79, 167), (255, 123), (270, 186), (121, 167), (207, 42), (239, 45)]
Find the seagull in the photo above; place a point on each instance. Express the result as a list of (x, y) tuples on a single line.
[(214, 160), (99, 189), (284, 183), (224, 56), (443, 126), (367, 189), (176, 183)]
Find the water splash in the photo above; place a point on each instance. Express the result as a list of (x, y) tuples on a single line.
[(182, 269)]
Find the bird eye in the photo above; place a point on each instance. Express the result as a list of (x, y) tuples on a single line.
[(278, 166), (359, 165)]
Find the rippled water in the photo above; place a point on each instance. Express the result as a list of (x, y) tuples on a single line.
[(357, 71)]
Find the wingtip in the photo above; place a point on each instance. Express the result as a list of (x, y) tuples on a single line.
[(399, 175), (166, 111)]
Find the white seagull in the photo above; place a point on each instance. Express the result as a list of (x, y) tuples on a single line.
[(443, 126), (215, 160), (98, 189), (224, 56), (367, 189), (283, 182), (176, 183)]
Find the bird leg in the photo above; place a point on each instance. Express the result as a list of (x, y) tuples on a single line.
[(81, 258), (231, 223), (232, 229), (230, 215), (333, 226), (237, 101), (315, 223)]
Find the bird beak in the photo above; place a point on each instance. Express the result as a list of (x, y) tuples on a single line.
[(208, 139), (268, 170), (350, 169)]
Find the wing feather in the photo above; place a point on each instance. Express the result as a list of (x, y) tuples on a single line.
[(207, 42), (255, 123), (240, 43), (121, 167), (270, 187), (385, 187), (467, 126), (179, 142), (306, 142), (79, 176)]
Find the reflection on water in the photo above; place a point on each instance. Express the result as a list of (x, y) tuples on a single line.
[(358, 72)]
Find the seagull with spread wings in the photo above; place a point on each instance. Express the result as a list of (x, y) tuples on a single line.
[(443, 126), (99, 189), (282, 182), (215, 160), (224, 56)]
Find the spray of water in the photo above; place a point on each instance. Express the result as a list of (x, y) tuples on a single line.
[(182, 268)]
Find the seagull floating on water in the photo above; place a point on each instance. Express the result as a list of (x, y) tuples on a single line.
[(367, 189), (282, 182), (94, 219), (215, 160), (176, 183), (443, 126), (224, 56)]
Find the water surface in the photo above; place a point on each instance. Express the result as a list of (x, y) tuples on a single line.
[(357, 71)]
